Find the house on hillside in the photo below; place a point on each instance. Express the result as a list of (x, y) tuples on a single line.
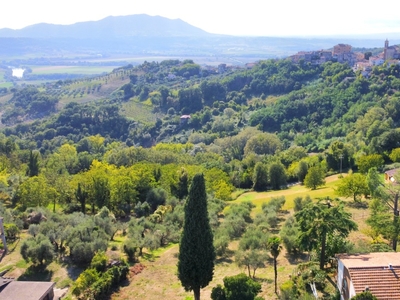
[(389, 175), (378, 273), (250, 65), (376, 60), (184, 119), (341, 48)]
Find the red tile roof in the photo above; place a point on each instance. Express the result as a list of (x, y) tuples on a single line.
[(383, 283), (380, 272)]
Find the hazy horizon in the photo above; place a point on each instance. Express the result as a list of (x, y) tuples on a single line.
[(289, 18)]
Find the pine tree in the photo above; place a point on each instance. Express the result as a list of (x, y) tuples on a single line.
[(196, 250)]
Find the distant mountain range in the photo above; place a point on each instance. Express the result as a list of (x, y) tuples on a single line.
[(143, 35), (110, 28)]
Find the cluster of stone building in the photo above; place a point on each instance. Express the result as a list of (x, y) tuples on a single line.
[(343, 53)]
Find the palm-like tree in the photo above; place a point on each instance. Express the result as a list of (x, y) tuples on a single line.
[(274, 245)]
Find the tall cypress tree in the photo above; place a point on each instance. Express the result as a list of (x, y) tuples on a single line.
[(196, 250), (33, 164)]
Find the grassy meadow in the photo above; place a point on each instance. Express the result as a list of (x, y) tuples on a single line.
[(258, 198)]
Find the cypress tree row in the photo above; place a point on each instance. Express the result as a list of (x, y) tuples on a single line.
[(196, 249)]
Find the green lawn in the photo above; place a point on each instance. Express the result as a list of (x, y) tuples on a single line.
[(5, 84), (258, 198)]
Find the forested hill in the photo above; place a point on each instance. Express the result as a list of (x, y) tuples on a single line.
[(110, 28), (86, 154), (311, 106)]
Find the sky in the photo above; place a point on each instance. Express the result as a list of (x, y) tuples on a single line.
[(243, 18)]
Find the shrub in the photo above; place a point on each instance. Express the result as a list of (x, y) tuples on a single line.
[(99, 261), (288, 290), (98, 284), (12, 231), (276, 204), (238, 287), (130, 249), (300, 203)]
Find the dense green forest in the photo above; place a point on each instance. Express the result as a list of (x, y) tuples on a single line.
[(110, 170)]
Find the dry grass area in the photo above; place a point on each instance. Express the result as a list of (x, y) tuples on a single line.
[(159, 280)]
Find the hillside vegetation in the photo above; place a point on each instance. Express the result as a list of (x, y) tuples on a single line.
[(103, 166)]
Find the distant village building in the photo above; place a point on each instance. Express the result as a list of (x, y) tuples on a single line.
[(341, 48), (390, 52), (250, 65), (392, 62), (376, 60), (325, 55), (221, 68), (341, 53)]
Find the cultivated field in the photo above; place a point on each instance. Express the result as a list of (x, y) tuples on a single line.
[(85, 70)]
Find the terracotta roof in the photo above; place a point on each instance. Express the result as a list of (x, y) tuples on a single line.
[(377, 259), (380, 272), (382, 282)]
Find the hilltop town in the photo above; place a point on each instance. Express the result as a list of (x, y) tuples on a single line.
[(343, 53)]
